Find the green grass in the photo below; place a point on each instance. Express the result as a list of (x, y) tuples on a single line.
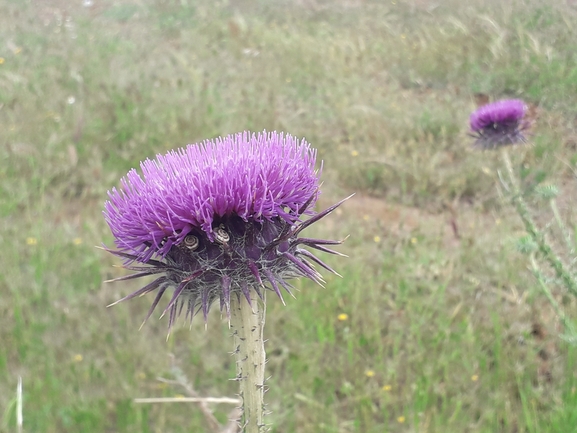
[(444, 333)]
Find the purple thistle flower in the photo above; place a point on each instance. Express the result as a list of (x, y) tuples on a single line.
[(219, 218), (499, 124)]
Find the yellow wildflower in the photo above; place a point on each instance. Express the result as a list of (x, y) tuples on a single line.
[(343, 316), (31, 241)]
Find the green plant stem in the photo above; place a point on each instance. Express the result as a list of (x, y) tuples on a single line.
[(569, 328), (562, 227), (534, 232), (247, 323)]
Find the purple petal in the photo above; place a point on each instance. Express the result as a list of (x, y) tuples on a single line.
[(500, 112), (254, 176)]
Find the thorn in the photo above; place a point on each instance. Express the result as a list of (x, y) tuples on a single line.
[(246, 293), (326, 250), (320, 215), (254, 270), (274, 285), (307, 241), (175, 296), (317, 261), (225, 295), (287, 287), (205, 305), (140, 292), (258, 292), (133, 276), (306, 269)]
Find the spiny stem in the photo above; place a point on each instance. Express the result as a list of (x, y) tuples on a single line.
[(562, 227), (569, 327), (534, 232), (510, 172), (247, 323)]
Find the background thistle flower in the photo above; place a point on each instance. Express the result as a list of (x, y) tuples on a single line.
[(499, 124), (219, 218)]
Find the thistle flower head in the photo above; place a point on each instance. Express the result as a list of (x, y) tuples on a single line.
[(499, 124), (219, 218)]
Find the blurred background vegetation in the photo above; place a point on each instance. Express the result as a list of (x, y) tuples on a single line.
[(437, 325)]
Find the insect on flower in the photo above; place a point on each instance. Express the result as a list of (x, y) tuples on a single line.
[(219, 219)]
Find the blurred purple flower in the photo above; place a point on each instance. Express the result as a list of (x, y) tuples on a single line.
[(499, 124), (220, 218)]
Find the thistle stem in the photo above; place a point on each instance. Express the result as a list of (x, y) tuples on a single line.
[(247, 323), (562, 227), (531, 228), (569, 327)]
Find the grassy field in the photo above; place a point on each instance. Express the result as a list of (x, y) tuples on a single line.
[(436, 326)]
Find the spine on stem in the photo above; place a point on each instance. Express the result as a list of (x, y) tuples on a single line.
[(531, 228), (247, 323)]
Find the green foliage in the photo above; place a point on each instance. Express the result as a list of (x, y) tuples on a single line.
[(434, 327)]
